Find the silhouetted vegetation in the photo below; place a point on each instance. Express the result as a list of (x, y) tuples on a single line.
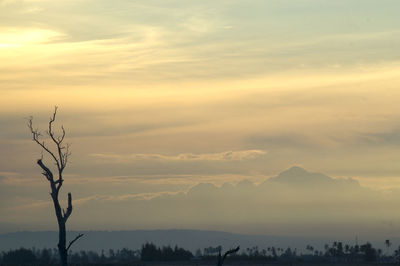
[(149, 253), (20, 256)]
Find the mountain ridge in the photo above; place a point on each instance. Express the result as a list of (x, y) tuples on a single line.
[(293, 176), (300, 176)]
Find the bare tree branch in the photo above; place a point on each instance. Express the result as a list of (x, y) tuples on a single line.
[(60, 139), (230, 252), (35, 136), (47, 173), (69, 208), (62, 154), (57, 141), (74, 240), (222, 259)]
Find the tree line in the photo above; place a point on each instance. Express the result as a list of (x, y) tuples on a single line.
[(337, 252)]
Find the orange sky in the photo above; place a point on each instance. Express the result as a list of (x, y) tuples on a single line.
[(169, 95)]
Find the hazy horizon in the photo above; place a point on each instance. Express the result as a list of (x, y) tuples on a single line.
[(164, 102), (294, 203)]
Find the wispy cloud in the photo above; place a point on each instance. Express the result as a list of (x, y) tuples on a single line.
[(219, 156), (14, 178), (126, 197), (30, 205), (35, 204)]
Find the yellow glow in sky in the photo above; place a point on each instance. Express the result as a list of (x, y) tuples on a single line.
[(168, 94), (19, 38)]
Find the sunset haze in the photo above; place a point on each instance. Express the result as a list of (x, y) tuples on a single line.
[(257, 117)]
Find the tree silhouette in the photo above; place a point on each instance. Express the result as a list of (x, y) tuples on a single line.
[(310, 248), (387, 244), (20, 256), (150, 252), (369, 252), (60, 158)]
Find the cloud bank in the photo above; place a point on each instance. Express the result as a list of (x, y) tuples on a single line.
[(220, 156)]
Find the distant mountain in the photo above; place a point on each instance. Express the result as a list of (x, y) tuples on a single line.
[(8, 227), (299, 176), (294, 176)]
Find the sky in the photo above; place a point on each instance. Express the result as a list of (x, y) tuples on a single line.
[(159, 96)]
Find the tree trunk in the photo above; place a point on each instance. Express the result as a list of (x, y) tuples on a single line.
[(62, 237)]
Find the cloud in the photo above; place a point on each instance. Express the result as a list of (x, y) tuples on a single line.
[(127, 197), (31, 205), (12, 178), (390, 137), (220, 156), (24, 204), (157, 45)]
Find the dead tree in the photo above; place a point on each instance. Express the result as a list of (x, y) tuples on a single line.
[(60, 158), (221, 259)]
